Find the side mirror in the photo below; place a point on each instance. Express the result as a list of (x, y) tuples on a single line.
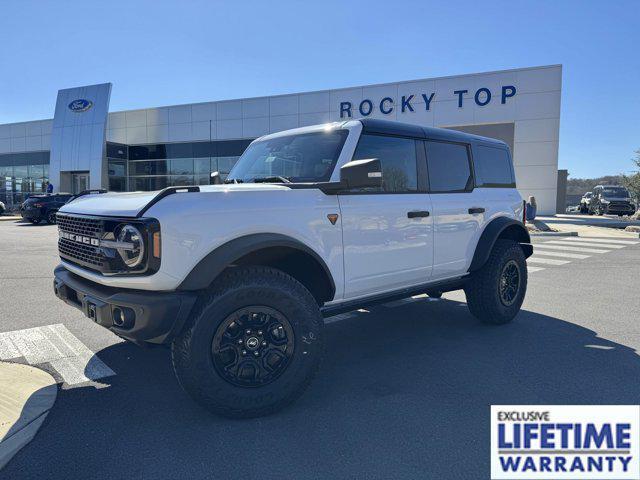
[(365, 173), (215, 179)]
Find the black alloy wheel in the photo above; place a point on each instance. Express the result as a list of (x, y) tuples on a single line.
[(253, 346), (509, 283)]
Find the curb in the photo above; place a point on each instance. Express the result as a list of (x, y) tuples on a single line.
[(9, 219), (26, 396), (553, 234)]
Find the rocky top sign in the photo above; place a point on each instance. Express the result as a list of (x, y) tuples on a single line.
[(482, 97)]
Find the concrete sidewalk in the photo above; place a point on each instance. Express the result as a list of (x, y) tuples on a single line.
[(26, 396), (10, 218), (614, 222), (584, 228)]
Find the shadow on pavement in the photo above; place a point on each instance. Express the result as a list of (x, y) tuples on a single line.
[(403, 393)]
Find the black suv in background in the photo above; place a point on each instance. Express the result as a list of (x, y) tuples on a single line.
[(611, 199), (43, 207)]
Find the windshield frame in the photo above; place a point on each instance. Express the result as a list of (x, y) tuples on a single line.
[(235, 177)]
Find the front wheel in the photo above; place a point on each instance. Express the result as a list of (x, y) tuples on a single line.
[(495, 292), (252, 345), (51, 218)]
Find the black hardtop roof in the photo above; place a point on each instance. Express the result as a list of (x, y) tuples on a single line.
[(374, 125)]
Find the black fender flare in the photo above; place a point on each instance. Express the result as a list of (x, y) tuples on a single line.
[(226, 254), (500, 226)]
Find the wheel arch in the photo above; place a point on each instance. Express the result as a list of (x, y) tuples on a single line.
[(500, 228), (270, 249)]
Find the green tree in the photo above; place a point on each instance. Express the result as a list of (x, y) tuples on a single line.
[(632, 182)]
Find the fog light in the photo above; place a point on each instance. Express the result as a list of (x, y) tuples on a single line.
[(123, 317)]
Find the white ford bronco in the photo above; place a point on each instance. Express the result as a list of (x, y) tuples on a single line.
[(237, 276)]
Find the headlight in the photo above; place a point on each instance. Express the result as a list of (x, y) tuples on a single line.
[(132, 253)]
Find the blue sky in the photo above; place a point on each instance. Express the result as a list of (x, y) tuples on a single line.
[(164, 53)]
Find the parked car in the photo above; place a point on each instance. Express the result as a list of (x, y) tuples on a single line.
[(585, 201), (611, 199), (2, 208), (43, 207), (310, 222)]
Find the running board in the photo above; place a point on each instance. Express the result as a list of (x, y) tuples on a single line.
[(350, 305)]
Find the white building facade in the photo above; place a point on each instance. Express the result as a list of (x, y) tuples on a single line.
[(86, 146)]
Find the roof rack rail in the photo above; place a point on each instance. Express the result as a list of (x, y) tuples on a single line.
[(165, 193)]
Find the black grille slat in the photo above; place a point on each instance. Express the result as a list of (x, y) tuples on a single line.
[(82, 254), (89, 227)]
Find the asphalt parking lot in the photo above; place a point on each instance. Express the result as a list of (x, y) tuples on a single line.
[(404, 392)]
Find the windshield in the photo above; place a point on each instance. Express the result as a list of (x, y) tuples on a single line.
[(308, 157), (615, 192)]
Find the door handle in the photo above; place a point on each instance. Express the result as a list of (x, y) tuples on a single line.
[(418, 214), (473, 210)]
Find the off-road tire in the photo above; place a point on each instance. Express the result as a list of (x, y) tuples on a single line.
[(240, 287), (483, 288)]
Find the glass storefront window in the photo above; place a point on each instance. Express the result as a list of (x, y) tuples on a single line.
[(225, 164), (151, 167), (117, 168), (117, 184), (148, 183), (181, 166), (181, 180), (202, 166)]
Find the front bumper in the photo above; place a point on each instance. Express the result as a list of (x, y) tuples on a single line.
[(31, 214), (619, 207), (152, 317)]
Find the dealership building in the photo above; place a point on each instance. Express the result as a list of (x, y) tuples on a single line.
[(87, 146)]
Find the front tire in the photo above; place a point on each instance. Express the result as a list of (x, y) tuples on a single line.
[(252, 344), (495, 292), (51, 218)]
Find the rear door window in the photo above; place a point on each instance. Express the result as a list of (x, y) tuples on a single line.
[(493, 167), (448, 166)]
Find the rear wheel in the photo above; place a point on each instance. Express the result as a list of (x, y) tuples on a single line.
[(495, 292), (252, 345), (35, 221)]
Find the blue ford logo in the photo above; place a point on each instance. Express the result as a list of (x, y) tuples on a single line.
[(80, 105)]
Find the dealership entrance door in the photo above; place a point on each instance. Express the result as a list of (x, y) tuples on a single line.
[(79, 182), (74, 182)]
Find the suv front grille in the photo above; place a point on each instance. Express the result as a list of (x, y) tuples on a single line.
[(75, 251), (90, 227), (623, 206)]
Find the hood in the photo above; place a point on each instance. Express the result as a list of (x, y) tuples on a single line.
[(132, 203)]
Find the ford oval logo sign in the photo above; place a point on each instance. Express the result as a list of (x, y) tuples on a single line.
[(80, 105)]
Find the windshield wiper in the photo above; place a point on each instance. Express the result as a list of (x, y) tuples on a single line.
[(274, 178)]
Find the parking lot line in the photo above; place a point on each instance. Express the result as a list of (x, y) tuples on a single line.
[(57, 346), (551, 253), (547, 261), (534, 269), (602, 240), (587, 244), (570, 249)]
